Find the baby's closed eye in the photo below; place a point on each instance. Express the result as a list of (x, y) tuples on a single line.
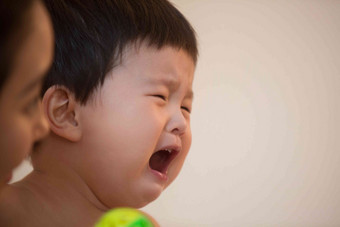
[(163, 97), (186, 109)]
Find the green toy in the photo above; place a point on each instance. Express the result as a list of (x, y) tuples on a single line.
[(124, 217)]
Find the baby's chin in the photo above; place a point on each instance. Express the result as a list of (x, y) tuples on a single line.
[(147, 197), (137, 198), (150, 193)]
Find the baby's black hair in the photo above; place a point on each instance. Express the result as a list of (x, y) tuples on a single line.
[(91, 36), (15, 25)]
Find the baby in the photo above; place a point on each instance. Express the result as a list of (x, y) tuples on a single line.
[(118, 101)]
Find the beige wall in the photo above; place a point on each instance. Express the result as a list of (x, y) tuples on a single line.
[(266, 117), (266, 120)]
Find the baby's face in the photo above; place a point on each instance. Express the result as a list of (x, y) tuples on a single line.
[(136, 130)]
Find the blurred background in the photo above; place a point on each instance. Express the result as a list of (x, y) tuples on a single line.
[(266, 117)]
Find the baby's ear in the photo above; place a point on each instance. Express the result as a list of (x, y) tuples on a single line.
[(62, 112)]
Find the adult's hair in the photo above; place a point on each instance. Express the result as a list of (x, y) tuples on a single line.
[(15, 24), (91, 36)]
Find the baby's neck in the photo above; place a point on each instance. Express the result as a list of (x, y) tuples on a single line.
[(68, 202)]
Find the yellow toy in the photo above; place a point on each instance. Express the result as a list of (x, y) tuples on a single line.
[(124, 217)]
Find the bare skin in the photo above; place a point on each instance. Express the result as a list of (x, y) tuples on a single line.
[(21, 119)]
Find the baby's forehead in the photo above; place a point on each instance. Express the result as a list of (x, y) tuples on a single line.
[(147, 50), (169, 60)]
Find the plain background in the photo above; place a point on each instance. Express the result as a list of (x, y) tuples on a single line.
[(266, 118)]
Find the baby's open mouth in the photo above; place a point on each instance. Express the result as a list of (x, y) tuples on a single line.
[(161, 160)]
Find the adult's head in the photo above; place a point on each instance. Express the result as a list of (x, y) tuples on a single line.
[(26, 51)]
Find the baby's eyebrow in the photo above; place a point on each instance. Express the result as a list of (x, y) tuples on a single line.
[(170, 82)]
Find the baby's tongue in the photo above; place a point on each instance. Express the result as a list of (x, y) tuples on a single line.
[(158, 160)]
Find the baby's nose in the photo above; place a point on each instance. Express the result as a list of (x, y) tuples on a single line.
[(177, 124)]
